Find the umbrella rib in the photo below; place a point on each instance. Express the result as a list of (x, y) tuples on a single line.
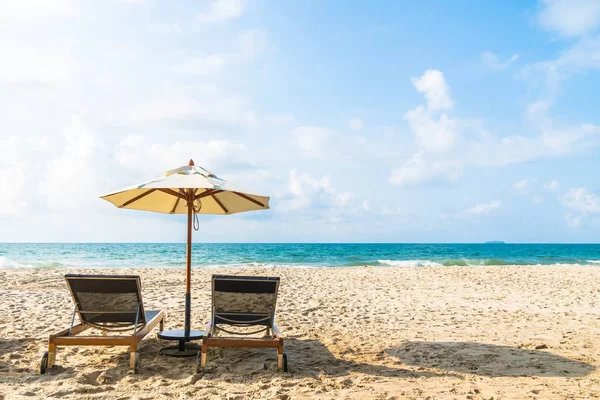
[(243, 196), (175, 205), (172, 193), (136, 198), (207, 192), (219, 203)]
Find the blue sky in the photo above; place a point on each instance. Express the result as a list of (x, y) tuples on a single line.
[(364, 121)]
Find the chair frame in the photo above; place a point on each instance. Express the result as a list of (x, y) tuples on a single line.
[(275, 341), (68, 337)]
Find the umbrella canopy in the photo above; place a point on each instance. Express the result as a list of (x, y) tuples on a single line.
[(188, 190), (170, 193)]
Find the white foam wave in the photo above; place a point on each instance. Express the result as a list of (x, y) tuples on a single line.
[(259, 265), (593, 261), (5, 263), (409, 263)]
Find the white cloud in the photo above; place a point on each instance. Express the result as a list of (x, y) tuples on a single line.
[(553, 141), (12, 185), (23, 64), (521, 185), (552, 185), (434, 131), (537, 200), (356, 124), (204, 65), (87, 168), (391, 211), (27, 10), (221, 11), (216, 155), (582, 56), (12, 179), (436, 134), (491, 61), (582, 203), (166, 28), (183, 107), (74, 175), (249, 45), (570, 18), (579, 199), (437, 92), (18, 180), (448, 145), (252, 43), (417, 170), (365, 205), (314, 141), (484, 209), (304, 192), (279, 118), (573, 221)]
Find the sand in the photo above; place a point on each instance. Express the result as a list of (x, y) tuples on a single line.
[(386, 333)]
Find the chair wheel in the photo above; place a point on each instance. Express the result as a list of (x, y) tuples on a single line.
[(285, 363), (44, 363)]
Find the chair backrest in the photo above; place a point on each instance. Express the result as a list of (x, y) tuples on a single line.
[(107, 299), (244, 300)]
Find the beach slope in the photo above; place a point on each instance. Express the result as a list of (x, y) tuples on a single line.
[(438, 332)]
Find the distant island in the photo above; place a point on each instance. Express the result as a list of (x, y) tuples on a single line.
[(495, 242)]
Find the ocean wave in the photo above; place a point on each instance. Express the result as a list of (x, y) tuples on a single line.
[(5, 263), (461, 262), (259, 265), (410, 263)]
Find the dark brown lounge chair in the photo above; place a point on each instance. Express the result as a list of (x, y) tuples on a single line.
[(243, 301), (111, 303)]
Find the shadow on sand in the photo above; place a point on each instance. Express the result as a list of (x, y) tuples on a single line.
[(307, 358), (488, 360)]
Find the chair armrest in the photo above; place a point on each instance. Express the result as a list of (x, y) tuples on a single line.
[(209, 327), (276, 332)]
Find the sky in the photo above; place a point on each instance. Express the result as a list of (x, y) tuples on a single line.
[(388, 121)]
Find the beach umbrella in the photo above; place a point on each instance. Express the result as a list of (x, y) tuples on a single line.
[(190, 190)]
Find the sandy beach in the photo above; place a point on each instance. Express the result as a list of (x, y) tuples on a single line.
[(388, 333)]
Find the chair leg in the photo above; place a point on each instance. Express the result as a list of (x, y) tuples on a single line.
[(133, 356), (51, 354), (203, 356), (280, 356), (161, 326)]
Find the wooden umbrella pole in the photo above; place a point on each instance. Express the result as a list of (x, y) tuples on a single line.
[(188, 265)]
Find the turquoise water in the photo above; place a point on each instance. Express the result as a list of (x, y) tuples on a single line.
[(264, 255)]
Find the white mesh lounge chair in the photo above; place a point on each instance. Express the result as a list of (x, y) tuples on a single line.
[(243, 302), (111, 303)]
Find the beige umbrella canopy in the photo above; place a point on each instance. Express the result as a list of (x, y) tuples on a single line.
[(188, 190), (171, 193)]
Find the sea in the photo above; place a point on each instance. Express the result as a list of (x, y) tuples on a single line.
[(207, 255)]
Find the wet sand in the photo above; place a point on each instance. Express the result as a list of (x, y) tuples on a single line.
[(425, 332)]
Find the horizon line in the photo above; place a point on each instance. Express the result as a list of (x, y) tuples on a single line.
[(434, 243)]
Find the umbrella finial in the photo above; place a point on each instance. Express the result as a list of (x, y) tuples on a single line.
[(191, 163)]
